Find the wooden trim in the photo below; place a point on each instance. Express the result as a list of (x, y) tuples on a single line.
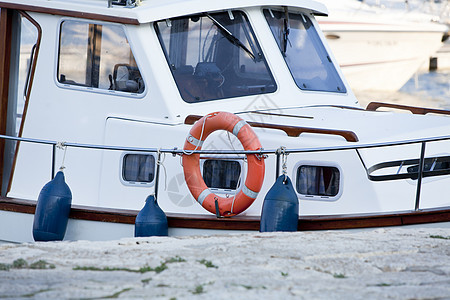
[(305, 223), (293, 131), (29, 87), (34, 63), (279, 115), (6, 19), (69, 13), (17, 205), (373, 106)]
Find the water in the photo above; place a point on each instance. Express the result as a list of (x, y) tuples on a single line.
[(425, 89), (432, 86)]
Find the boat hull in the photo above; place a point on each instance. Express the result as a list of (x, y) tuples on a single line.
[(99, 224), (381, 60)]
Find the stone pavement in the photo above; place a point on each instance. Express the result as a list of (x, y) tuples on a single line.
[(393, 263)]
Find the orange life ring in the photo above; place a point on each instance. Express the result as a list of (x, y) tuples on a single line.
[(191, 166)]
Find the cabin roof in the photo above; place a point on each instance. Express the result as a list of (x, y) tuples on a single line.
[(148, 10)]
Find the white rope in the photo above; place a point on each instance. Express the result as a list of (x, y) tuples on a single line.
[(284, 162), (239, 181), (161, 163), (244, 157), (229, 140), (235, 192), (62, 146), (201, 135)]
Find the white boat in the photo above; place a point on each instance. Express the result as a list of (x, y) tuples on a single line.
[(439, 10), (113, 92), (380, 48)]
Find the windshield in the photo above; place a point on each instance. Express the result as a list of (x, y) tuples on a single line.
[(214, 56), (303, 51)]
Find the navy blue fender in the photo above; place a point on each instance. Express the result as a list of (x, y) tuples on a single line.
[(151, 220), (52, 210), (280, 207)]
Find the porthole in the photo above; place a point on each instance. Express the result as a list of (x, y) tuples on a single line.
[(221, 175), (138, 168), (318, 182)]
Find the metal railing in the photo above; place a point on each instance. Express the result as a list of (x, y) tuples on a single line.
[(263, 152)]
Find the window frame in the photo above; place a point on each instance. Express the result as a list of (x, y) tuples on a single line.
[(241, 180), (257, 43), (330, 58), (136, 183), (314, 163), (93, 89)]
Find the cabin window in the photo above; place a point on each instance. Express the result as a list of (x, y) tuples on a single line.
[(97, 56), (221, 174), (321, 181), (29, 40), (138, 168), (409, 168), (304, 52), (214, 56), (20, 35)]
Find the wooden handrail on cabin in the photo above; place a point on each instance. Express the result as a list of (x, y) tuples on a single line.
[(373, 106), (293, 131)]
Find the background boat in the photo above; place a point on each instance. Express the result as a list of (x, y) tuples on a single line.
[(379, 48)]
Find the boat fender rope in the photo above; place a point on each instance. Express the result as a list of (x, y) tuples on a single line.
[(284, 162), (62, 146), (160, 162)]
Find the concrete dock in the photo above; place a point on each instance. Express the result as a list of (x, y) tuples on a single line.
[(387, 263)]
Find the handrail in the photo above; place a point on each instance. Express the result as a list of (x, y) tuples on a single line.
[(175, 150), (373, 106), (293, 131), (276, 152)]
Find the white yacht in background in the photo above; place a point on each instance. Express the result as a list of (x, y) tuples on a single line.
[(439, 10), (206, 105), (380, 48)]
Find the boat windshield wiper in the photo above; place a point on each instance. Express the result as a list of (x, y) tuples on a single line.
[(286, 31), (229, 36)]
